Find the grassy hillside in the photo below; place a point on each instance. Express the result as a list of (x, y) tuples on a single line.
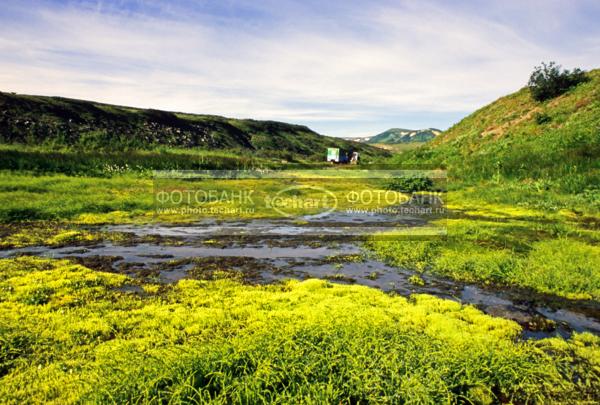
[(399, 135), (399, 147), (60, 122), (525, 195), (556, 142)]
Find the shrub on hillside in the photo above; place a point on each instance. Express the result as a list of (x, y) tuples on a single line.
[(550, 80), (542, 118), (410, 184)]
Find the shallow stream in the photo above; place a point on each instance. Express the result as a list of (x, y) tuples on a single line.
[(266, 251)]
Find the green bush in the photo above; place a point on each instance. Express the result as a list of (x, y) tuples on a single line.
[(410, 184), (549, 80), (542, 118)]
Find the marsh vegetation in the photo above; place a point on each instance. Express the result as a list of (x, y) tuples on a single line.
[(102, 299)]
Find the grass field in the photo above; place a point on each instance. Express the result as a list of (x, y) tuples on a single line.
[(129, 197), (88, 336), (510, 234), (83, 338)]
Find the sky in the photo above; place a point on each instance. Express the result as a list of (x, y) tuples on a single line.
[(344, 68)]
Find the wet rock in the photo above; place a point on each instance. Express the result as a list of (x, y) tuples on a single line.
[(158, 256), (373, 275), (76, 251), (244, 269), (96, 262), (129, 267), (339, 277), (131, 289), (529, 321)]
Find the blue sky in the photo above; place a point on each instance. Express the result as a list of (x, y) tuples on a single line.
[(344, 68)]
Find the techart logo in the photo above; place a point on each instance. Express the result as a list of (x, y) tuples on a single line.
[(297, 199)]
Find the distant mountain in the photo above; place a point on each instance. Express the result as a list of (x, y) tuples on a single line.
[(88, 125), (400, 135)]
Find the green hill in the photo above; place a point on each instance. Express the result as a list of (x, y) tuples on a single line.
[(54, 121), (524, 196), (556, 142), (400, 135)]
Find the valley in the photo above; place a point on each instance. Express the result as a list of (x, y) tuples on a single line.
[(105, 298)]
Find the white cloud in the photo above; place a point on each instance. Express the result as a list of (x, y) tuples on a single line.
[(301, 66)]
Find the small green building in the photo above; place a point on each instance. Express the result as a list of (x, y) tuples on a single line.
[(333, 155)]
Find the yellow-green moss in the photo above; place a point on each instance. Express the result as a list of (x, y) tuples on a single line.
[(49, 235), (221, 341), (53, 234)]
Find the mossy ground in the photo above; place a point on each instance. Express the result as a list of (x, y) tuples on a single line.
[(52, 234), (69, 334), (553, 252)]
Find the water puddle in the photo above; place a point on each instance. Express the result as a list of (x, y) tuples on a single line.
[(210, 249), (334, 223)]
